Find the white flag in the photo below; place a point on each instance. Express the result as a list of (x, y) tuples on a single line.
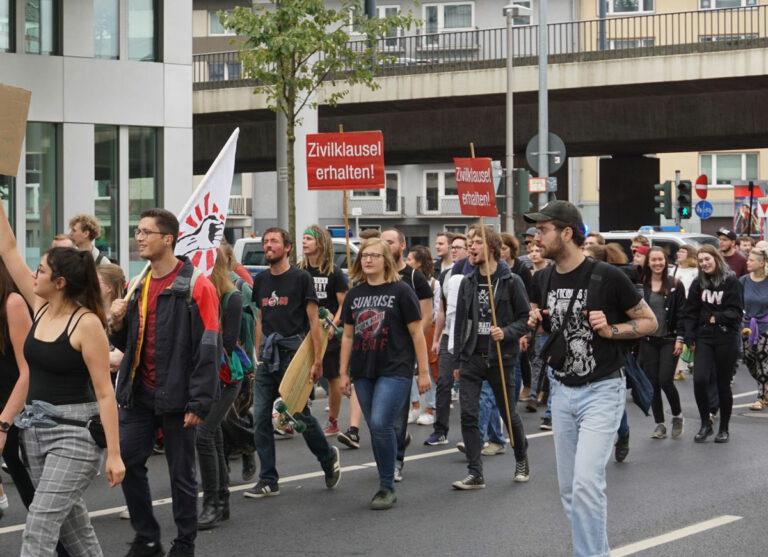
[(202, 220)]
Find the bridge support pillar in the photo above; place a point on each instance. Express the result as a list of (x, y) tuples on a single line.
[(626, 192)]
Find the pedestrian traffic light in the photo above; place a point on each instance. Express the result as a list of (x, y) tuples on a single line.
[(663, 199), (684, 199)]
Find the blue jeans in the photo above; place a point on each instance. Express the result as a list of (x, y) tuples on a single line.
[(381, 401), (585, 420), (265, 392), (429, 396), (489, 420)]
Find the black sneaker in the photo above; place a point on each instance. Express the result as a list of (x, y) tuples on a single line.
[(349, 438), (546, 424), (144, 549), (704, 432), (178, 550), (622, 449), (721, 437), (470, 482), (333, 474), (522, 471), (262, 489), (383, 500)]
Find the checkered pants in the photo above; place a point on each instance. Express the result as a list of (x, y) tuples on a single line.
[(62, 460)]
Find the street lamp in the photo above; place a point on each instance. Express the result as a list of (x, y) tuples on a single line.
[(510, 11)]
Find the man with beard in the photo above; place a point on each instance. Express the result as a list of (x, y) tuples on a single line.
[(474, 337), (416, 280), (288, 310), (584, 306)]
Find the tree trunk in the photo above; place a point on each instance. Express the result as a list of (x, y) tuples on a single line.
[(291, 132)]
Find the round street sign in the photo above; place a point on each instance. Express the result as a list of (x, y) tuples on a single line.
[(701, 186), (556, 153), (704, 209)]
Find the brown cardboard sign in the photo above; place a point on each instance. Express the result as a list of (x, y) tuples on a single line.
[(14, 108)]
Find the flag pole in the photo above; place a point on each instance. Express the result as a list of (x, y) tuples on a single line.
[(185, 209), (345, 194), (507, 412)]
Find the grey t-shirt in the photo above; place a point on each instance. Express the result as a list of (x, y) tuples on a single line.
[(755, 300), (656, 301)]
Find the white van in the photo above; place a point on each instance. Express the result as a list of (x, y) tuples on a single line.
[(670, 241), (250, 252)]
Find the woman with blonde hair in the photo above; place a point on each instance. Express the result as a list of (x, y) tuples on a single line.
[(382, 338), (112, 284), (214, 474), (686, 266), (330, 287), (755, 324)]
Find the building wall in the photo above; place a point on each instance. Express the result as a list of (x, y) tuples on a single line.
[(76, 91)]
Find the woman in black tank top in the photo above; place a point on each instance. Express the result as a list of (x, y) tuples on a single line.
[(69, 385)]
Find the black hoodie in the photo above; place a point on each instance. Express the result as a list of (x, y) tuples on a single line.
[(725, 303)]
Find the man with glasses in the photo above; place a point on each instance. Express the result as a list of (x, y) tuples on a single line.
[(443, 338), (168, 378)]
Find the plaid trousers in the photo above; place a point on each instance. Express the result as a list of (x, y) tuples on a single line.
[(62, 461)]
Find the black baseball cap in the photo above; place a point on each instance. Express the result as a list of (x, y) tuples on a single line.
[(730, 234), (557, 210)]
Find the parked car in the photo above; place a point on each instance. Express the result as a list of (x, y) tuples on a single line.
[(670, 241), (250, 252)]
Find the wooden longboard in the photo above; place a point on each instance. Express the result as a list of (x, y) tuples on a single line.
[(297, 382)]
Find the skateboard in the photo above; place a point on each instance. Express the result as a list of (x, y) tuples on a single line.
[(297, 382)]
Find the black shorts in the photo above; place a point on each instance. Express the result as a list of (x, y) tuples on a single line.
[(332, 359)]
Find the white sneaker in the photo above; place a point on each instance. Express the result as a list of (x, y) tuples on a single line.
[(413, 415), (125, 515), (426, 419), (4, 502)]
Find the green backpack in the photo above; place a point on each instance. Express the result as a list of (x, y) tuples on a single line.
[(247, 336)]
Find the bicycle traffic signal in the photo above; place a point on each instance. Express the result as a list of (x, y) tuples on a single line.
[(663, 199), (684, 199)]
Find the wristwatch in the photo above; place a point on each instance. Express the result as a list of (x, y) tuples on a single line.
[(4, 426)]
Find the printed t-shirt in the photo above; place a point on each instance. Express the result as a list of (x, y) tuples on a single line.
[(328, 286), (282, 301)]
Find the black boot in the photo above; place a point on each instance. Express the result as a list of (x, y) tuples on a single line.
[(704, 432), (722, 436), (224, 504), (211, 513), (249, 467)]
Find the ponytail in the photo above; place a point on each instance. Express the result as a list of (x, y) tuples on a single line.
[(90, 297)]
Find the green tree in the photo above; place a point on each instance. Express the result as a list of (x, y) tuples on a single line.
[(291, 47)]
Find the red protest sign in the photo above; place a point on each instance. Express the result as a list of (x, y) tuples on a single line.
[(474, 180), (345, 161)]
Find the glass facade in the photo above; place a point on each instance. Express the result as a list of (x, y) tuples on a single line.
[(42, 176), (41, 26), (106, 29), (107, 190), (142, 30), (8, 197), (7, 25), (142, 185)]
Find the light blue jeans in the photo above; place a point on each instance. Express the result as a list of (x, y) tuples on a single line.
[(584, 421), (429, 396), (489, 420)]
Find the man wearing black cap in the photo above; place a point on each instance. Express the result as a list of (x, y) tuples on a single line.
[(735, 260), (586, 307)]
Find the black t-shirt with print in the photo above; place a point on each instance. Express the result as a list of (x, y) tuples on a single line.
[(417, 281), (484, 321), (282, 301), (380, 315), (328, 286), (589, 356)]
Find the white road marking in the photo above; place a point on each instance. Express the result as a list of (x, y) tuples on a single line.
[(674, 535), (296, 478), (742, 395)]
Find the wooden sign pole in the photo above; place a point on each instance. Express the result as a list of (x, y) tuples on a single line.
[(345, 200), (507, 413)]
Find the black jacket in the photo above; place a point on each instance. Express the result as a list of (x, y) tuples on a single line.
[(725, 303), (512, 310), (187, 347), (674, 306)]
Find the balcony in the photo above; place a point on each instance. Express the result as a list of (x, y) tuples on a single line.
[(240, 206), (376, 207), (440, 207)]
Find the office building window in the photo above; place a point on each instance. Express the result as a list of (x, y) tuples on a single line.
[(106, 28), (8, 197), (724, 168), (628, 6), (41, 26), (7, 25), (448, 17), (223, 71), (143, 188), (215, 27), (438, 184), (142, 30), (392, 193), (42, 175), (106, 189), (719, 4)]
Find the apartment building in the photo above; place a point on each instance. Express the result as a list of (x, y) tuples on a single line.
[(110, 121)]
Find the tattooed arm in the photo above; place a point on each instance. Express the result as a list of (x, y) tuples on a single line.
[(641, 322)]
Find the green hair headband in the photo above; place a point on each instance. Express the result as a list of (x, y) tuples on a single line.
[(312, 232)]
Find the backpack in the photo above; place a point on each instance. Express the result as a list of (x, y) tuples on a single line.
[(247, 336)]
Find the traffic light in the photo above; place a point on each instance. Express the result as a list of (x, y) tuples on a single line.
[(684, 199), (663, 199), (522, 197)]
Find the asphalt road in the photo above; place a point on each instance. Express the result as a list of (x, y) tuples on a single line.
[(682, 498)]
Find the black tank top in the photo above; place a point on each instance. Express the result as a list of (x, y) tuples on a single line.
[(57, 372), (9, 370)]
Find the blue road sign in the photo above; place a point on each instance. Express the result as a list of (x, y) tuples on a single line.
[(704, 209)]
